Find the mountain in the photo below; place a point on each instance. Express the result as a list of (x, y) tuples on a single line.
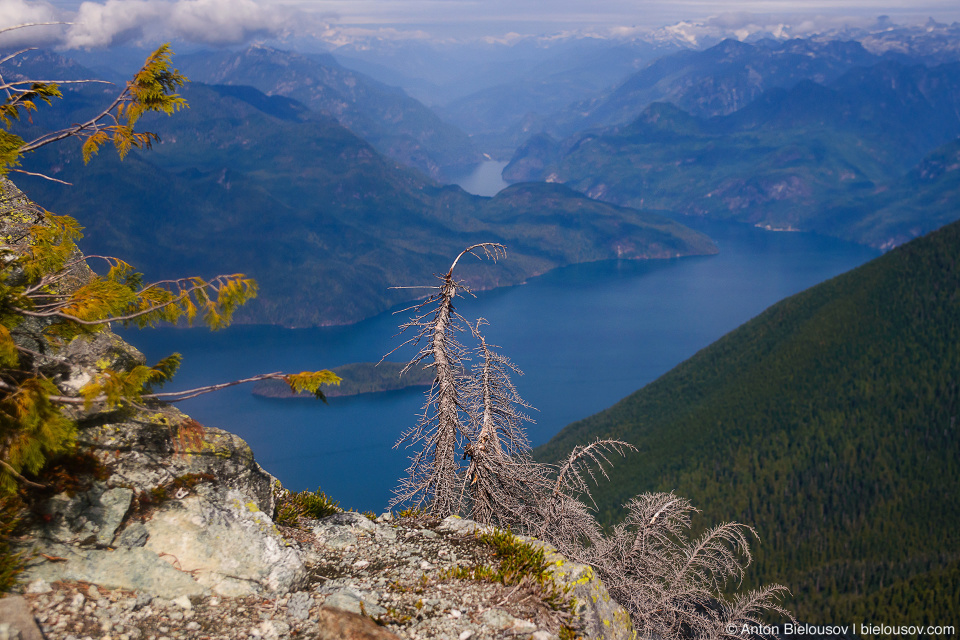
[(394, 123), (245, 182), (441, 72), (719, 80), (830, 424), (498, 117), (924, 199), (932, 42), (779, 162)]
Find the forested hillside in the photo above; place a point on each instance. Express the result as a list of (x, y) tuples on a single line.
[(394, 123), (829, 423), (316, 215), (780, 161)]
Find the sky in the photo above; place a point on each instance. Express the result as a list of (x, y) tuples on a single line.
[(227, 22)]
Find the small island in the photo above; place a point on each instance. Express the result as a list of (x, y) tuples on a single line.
[(359, 377)]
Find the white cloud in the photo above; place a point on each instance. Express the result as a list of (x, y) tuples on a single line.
[(224, 22), (14, 12), (18, 12), (111, 22), (338, 36)]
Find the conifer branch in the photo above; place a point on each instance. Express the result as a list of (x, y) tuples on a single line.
[(152, 89), (327, 376), (19, 477), (41, 175)]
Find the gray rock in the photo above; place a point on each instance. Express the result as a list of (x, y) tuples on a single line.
[(350, 600), (456, 524), (39, 586), (86, 355), (334, 537), (114, 506), (16, 620), (387, 534), (134, 535), (299, 605), (221, 537), (153, 448), (601, 615), (134, 569), (350, 519), (498, 619), (342, 530), (87, 518)]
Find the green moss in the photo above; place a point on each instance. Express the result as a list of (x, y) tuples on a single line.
[(520, 561)]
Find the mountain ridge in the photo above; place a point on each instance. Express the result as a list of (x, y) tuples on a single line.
[(314, 213), (393, 122), (778, 162)]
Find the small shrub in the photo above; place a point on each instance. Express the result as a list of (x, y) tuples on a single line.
[(71, 473), (291, 507), (521, 563)]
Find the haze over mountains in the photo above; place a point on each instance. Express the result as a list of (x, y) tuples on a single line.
[(395, 124), (834, 412), (769, 134), (245, 182), (825, 134)]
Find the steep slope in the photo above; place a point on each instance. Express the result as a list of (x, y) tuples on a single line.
[(926, 198), (325, 224), (779, 162), (829, 423), (499, 118), (393, 122), (716, 81)]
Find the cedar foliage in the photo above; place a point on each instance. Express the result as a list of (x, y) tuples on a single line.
[(673, 585), (50, 294)]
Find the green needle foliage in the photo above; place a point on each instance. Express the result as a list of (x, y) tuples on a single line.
[(50, 294)]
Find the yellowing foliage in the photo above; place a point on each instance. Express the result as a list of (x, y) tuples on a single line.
[(45, 280)]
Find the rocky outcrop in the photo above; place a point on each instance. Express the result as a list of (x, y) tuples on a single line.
[(159, 526), (16, 620), (378, 579), (184, 509), (173, 528)]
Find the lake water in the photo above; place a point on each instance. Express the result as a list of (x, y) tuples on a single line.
[(585, 336), (483, 180)]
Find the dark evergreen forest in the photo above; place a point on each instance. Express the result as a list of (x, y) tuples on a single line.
[(829, 423)]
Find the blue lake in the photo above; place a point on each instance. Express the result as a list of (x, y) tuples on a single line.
[(585, 336)]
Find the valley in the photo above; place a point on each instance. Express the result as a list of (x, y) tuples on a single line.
[(834, 417), (733, 249)]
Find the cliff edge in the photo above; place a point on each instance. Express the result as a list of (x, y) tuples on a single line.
[(159, 527)]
